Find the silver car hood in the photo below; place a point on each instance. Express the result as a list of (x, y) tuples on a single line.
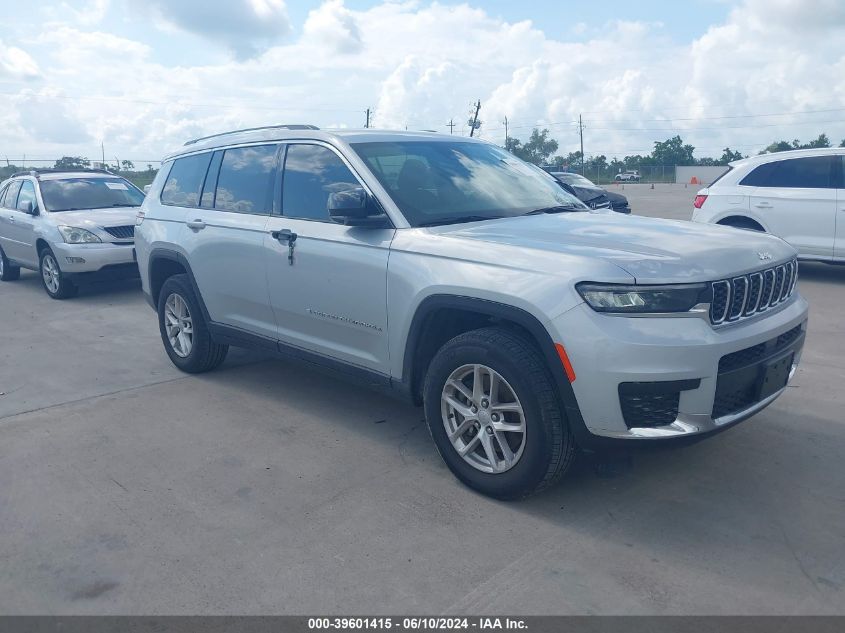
[(651, 250), (96, 218)]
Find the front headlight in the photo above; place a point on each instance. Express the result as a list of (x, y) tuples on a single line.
[(75, 235), (643, 299)]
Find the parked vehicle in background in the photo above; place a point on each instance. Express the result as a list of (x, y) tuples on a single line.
[(797, 195), (628, 176), (69, 225), (591, 194), (453, 273)]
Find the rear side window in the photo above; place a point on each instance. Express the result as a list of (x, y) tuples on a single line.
[(183, 184), (814, 172), (312, 172), (11, 196), (27, 194), (245, 184), (3, 194)]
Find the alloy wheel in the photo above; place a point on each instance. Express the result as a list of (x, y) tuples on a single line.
[(179, 325), (483, 417), (50, 272)]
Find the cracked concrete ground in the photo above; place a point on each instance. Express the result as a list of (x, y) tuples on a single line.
[(266, 487)]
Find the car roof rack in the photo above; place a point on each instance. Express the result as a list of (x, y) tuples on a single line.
[(59, 170), (287, 126)]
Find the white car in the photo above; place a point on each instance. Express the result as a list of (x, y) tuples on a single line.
[(798, 196), (628, 176)]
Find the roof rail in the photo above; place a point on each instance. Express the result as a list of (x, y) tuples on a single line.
[(55, 170), (289, 126)]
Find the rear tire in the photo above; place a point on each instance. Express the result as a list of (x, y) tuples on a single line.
[(56, 283), (523, 394), (7, 271), (184, 330)]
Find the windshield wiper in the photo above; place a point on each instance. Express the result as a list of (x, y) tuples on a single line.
[(124, 204), (559, 208), (460, 219)]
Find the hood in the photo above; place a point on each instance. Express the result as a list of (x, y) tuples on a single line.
[(649, 249), (588, 193), (96, 218), (616, 198)]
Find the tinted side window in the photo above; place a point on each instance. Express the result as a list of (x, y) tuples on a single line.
[(27, 194), (12, 195), (759, 176), (3, 195), (312, 172), (245, 184), (815, 173), (185, 179)]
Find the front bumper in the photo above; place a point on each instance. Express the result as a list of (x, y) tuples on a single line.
[(92, 258), (608, 351)]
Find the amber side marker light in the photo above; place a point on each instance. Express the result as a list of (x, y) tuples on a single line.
[(567, 366)]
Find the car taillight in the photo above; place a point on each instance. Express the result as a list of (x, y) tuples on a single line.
[(699, 201)]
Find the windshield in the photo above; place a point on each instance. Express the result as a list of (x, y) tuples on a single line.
[(438, 182), (71, 194), (576, 180)]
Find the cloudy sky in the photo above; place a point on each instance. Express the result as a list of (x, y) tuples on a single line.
[(142, 76)]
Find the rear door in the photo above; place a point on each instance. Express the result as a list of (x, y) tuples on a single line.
[(796, 200), (330, 297), (225, 236)]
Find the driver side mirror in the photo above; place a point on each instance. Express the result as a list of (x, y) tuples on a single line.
[(355, 207), (26, 207)]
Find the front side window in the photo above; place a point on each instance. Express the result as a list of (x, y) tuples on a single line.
[(185, 179), (11, 197), (438, 182), (73, 194), (245, 183), (312, 173), (807, 173), (27, 194), (3, 195)]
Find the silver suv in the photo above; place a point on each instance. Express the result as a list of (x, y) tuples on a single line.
[(69, 225), (450, 272)]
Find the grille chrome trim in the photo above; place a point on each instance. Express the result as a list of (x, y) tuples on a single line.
[(121, 232), (751, 294)]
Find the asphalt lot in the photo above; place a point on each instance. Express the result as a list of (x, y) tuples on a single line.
[(266, 487)]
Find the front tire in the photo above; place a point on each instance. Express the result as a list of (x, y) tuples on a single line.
[(7, 271), (184, 330), (55, 282), (492, 411)]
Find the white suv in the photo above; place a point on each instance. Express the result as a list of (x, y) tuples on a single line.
[(798, 196), (68, 225)]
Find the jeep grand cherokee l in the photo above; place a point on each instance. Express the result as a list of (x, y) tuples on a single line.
[(453, 273)]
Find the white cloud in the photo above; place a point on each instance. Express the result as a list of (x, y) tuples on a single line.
[(421, 65), (15, 62), (245, 26)]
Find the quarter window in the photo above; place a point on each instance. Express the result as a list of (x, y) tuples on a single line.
[(27, 194), (810, 173), (245, 184), (3, 195), (312, 173), (185, 179)]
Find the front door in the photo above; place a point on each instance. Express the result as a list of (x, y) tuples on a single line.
[(22, 227), (329, 292), (797, 202)]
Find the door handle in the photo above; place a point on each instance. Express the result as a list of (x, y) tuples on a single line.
[(196, 225), (289, 237), (763, 205)]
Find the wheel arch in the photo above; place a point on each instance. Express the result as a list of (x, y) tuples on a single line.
[(164, 263), (438, 318), (732, 218)]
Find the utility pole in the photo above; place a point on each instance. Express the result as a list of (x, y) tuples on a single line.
[(475, 118), (451, 126), (506, 132), (581, 134), (367, 124), (103, 149)]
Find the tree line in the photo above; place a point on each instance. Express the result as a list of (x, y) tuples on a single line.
[(541, 148)]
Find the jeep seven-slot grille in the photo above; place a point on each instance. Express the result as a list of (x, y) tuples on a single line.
[(120, 232), (740, 297)]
